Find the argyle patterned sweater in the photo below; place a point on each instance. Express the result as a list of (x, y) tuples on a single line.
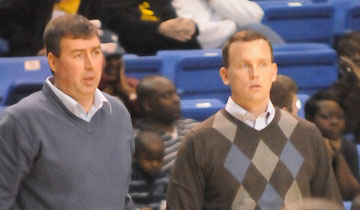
[(224, 164)]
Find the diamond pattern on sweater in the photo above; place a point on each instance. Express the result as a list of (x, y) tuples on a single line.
[(224, 126), (270, 199), (265, 160), (237, 163), (287, 123), (293, 194), (292, 159), (243, 200)]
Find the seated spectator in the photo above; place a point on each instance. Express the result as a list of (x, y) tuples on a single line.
[(160, 104), (148, 183), (113, 80), (348, 86), (324, 110), (147, 26), (283, 94), (23, 21), (217, 20)]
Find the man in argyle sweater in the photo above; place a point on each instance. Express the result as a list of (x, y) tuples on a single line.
[(250, 155)]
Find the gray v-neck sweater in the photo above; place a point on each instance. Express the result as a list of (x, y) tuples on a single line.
[(51, 159)]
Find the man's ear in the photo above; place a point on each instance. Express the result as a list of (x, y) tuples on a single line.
[(275, 70), (52, 60), (147, 105), (224, 74)]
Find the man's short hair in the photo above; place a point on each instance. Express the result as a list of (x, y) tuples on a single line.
[(70, 26), (282, 92), (145, 88), (242, 36)]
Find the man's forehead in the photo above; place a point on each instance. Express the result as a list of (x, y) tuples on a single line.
[(80, 43)]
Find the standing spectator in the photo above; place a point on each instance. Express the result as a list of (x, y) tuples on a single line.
[(324, 111), (23, 21), (148, 183), (144, 27), (68, 146), (250, 155), (217, 20), (283, 94), (160, 104)]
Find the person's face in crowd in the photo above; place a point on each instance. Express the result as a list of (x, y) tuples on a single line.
[(352, 51), (114, 65), (150, 161), (294, 106), (330, 119), (78, 68), (250, 72), (165, 103)]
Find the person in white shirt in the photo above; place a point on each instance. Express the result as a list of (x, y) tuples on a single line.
[(217, 20)]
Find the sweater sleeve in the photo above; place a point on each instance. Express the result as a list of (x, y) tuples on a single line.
[(17, 153), (187, 183), (323, 183), (243, 12)]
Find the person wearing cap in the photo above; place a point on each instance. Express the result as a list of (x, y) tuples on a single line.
[(113, 80)]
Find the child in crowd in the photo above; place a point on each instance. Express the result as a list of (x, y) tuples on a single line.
[(148, 182), (323, 109)]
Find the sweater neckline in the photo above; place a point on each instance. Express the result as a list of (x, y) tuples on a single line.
[(246, 127)]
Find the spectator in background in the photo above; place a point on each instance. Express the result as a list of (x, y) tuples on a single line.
[(113, 80), (23, 21), (250, 155), (217, 20), (68, 146), (148, 182), (160, 104), (348, 86), (323, 110), (283, 94), (147, 26)]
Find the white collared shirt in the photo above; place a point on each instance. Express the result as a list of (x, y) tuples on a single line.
[(248, 118), (75, 108)]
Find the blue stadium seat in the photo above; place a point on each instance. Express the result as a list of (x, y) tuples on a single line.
[(196, 73), (2, 108), (140, 66), (352, 17), (200, 109), (22, 68), (20, 89), (300, 21), (312, 66)]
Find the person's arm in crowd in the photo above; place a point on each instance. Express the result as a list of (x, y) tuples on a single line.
[(243, 12), (323, 183), (348, 184)]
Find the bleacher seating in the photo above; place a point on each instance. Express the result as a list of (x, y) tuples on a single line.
[(312, 66), (300, 21), (140, 66), (200, 109), (20, 89), (22, 68)]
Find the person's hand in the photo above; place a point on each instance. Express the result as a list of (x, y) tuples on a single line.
[(146, 208), (329, 148), (180, 29), (41, 52), (353, 66)]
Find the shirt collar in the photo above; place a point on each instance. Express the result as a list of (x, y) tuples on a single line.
[(248, 118), (74, 107)]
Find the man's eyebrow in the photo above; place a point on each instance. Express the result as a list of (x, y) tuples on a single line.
[(82, 50)]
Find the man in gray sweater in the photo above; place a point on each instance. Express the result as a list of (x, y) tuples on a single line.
[(68, 146)]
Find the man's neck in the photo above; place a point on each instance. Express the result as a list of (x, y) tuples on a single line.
[(255, 108)]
